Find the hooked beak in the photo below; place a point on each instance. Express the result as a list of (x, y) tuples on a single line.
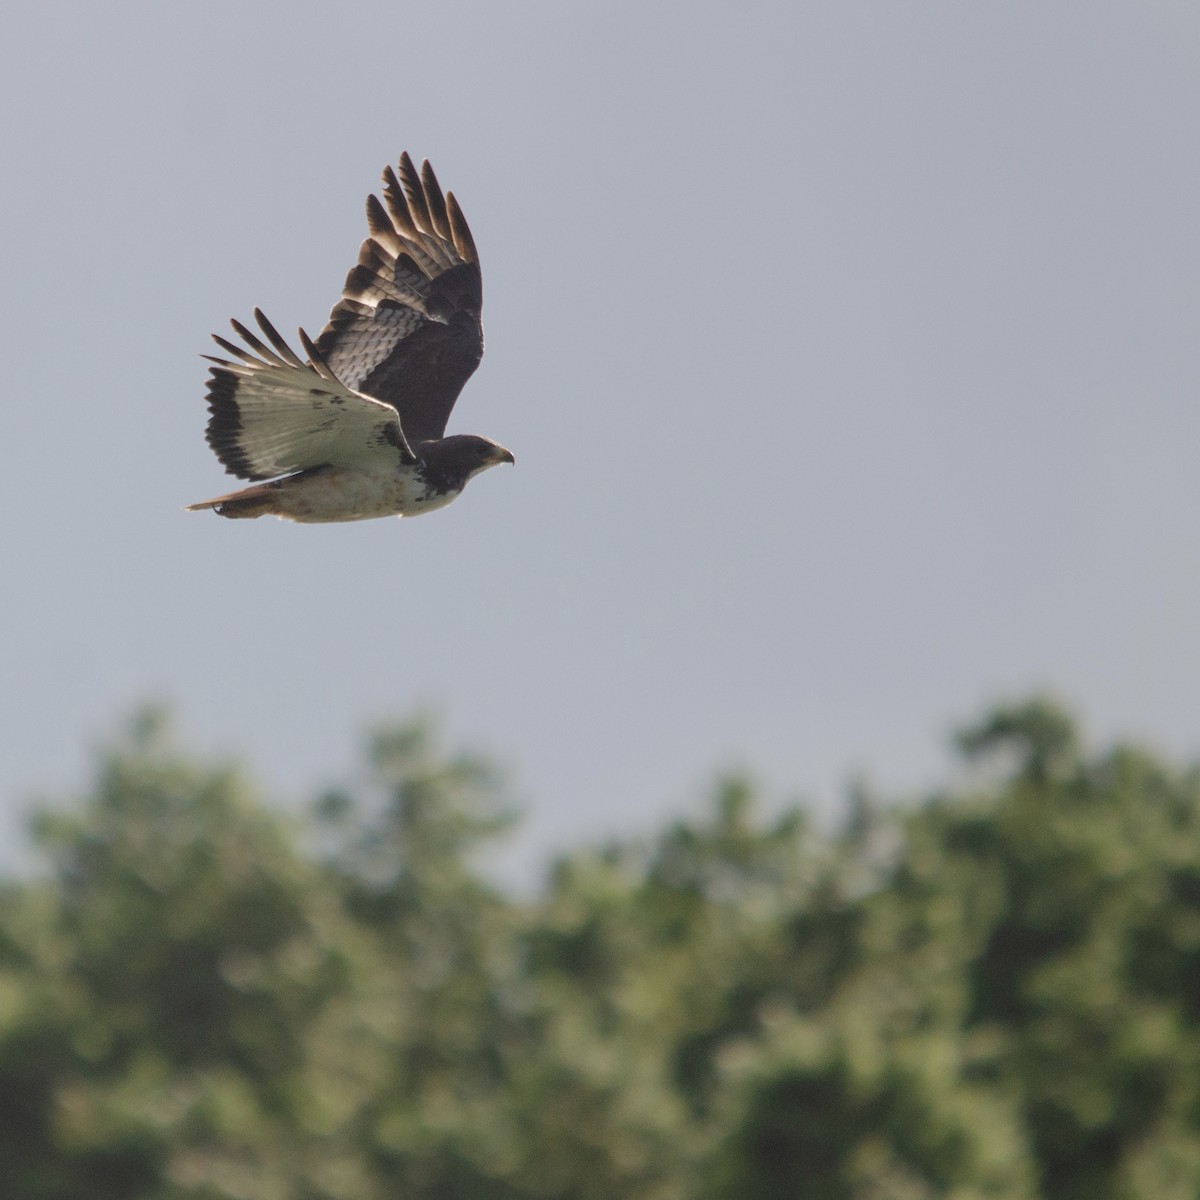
[(503, 456)]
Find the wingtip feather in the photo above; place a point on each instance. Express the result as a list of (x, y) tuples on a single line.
[(289, 356), (414, 193), (435, 204), (464, 243), (316, 358), (256, 343)]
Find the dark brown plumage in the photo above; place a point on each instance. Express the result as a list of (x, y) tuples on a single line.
[(408, 329)]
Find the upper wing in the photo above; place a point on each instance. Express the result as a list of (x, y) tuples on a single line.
[(407, 330), (272, 414)]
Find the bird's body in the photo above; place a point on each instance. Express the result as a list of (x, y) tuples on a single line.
[(335, 494), (357, 430), (389, 488)]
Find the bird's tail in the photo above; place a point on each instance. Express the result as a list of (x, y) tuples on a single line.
[(257, 501)]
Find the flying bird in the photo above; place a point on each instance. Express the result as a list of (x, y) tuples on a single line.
[(357, 430)]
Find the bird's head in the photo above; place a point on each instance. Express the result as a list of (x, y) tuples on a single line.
[(457, 458)]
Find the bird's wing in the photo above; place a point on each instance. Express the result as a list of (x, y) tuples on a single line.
[(407, 329), (273, 414)]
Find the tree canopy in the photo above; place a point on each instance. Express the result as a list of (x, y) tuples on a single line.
[(993, 992)]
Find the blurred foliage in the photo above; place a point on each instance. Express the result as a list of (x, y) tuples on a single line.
[(994, 993)]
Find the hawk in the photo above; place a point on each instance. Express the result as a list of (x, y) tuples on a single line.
[(358, 429)]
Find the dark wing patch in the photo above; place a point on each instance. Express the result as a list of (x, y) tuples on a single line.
[(407, 330), (272, 413)]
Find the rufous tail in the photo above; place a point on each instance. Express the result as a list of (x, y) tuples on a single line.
[(257, 501)]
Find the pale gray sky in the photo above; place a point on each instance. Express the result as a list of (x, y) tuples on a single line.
[(848, 352)]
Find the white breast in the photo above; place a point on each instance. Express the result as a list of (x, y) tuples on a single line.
[(338, 494)]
